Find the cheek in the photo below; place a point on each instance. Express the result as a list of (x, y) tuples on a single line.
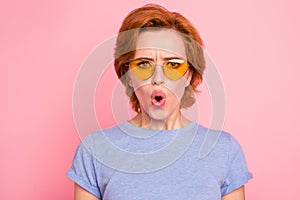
[(137, 84), (142, 93), (177, 89)]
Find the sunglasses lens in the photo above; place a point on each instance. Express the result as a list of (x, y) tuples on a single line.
[(175, 69), (142, 69)]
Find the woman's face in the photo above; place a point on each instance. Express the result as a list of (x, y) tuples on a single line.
[(160, 96)]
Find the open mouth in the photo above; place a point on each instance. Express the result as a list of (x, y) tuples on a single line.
[(158, 98)]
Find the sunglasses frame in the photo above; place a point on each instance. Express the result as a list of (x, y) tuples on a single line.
[(162, 65)]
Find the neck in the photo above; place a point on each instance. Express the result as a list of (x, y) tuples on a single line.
[(174, 121)]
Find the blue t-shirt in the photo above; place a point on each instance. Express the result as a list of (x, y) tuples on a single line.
[(129, 162)]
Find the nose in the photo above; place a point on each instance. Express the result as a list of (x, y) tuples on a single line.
[(158, 76)]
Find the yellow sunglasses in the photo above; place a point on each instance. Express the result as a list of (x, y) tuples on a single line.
[(174, 69)]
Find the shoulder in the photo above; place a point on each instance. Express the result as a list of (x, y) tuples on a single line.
[(97, 139), (216, 140), (218, 136), (111, 132)]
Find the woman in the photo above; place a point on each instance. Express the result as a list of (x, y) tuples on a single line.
[(159, 59)]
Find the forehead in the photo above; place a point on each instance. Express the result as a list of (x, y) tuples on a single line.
[(167, 42)]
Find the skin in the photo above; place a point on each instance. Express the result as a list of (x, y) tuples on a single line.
[(82, 194), (158, 46)]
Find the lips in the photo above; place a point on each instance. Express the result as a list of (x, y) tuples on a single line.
[(158, 98)]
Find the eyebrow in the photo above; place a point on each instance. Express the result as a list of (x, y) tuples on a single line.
[(173, 58), (144, 58), (165, 59)]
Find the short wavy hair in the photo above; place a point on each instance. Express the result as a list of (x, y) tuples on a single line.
[(153, 16)]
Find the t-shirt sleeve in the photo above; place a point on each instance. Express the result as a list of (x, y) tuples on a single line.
[(238, 173), (83, 170)]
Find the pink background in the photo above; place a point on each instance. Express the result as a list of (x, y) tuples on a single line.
[(255, 45)]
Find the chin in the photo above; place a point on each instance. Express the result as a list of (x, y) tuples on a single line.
[(157, 113)]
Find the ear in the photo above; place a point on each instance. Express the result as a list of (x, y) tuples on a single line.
[(128, 80), (189, 78)]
